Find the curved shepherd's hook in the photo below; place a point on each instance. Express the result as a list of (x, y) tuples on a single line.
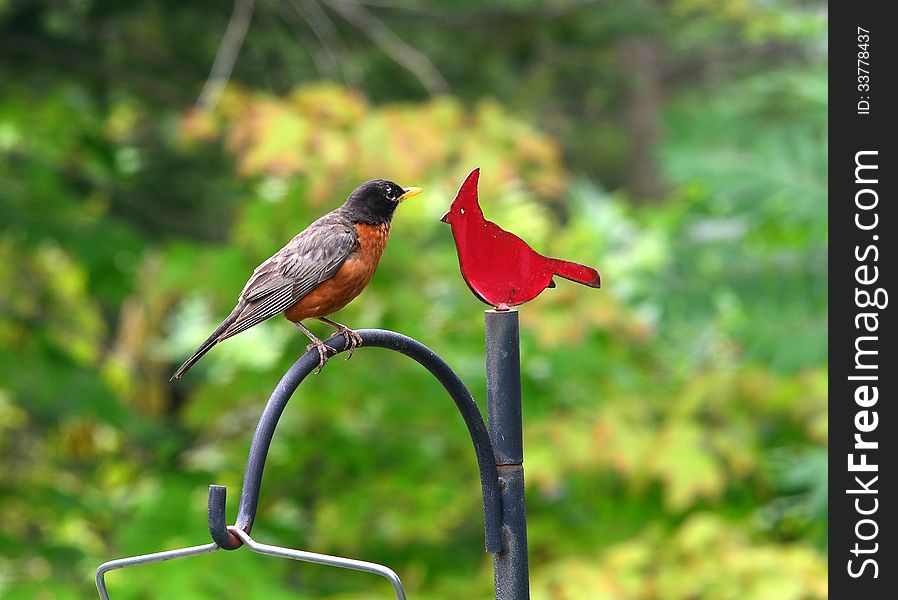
[(376, 338)]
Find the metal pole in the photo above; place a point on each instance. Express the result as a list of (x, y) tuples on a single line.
[(503, 393)]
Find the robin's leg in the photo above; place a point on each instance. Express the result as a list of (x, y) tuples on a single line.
[(353, 340), (323, 349)]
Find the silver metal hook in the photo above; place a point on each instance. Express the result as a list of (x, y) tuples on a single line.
[(279, 551), (323, 559)]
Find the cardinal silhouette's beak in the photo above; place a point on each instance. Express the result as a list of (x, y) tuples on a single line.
[(409, 192), (445, 218)]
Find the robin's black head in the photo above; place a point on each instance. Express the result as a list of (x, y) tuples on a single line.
[(374, 201)]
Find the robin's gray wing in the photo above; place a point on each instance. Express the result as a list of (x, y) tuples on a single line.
[(277, 284)]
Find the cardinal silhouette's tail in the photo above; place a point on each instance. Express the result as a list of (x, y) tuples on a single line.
[(577, 272), (207, 345)]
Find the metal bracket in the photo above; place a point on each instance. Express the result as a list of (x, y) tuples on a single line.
[(232, 537)]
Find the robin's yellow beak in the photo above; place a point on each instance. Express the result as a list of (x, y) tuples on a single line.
[(409, 192)]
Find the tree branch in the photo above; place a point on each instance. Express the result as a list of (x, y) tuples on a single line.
[(392, 45), (227, 54)]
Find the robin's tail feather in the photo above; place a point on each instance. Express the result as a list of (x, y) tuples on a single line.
[(210, 341), (577, 272)]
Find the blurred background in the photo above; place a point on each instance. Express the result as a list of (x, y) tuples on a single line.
[(675, 421)]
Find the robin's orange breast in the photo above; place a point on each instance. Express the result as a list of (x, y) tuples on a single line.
[(350, 279)]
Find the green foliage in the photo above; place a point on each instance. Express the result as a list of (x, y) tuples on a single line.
[(675, 421)]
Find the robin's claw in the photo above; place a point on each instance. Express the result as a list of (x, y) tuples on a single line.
[(353, 340), (324, 352)]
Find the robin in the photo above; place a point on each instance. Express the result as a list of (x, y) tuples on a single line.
[(319, 271)]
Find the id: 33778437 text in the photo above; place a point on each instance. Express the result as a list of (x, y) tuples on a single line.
[(863, 71)]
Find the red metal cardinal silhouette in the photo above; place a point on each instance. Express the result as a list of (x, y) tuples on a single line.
[(498, 266)]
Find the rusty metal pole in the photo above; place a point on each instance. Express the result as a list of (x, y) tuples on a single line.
[(503, 392)]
